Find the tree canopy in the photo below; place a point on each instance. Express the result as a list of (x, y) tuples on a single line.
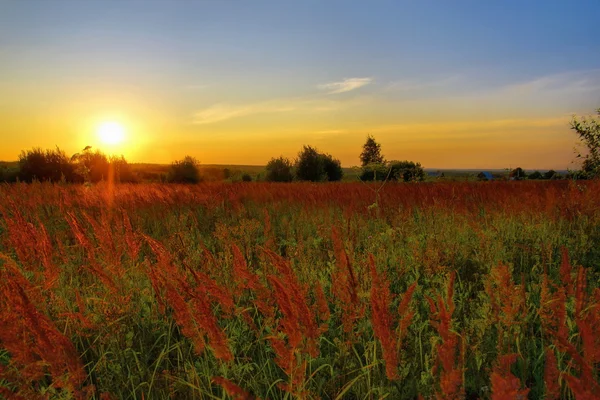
[(371, 153)]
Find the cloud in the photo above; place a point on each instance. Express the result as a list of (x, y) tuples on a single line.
[(225, 111), (568, 82), (345, 86)]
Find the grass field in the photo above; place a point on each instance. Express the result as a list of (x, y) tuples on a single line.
[(281, 291)]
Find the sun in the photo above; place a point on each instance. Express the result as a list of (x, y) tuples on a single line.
[(111, 133)]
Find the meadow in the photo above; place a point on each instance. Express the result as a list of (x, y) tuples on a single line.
[(283, 291)]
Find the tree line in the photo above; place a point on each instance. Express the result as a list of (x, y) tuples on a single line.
[(54, 165), (312, 165)]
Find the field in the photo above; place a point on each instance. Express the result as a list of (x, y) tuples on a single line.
[(332, 291)]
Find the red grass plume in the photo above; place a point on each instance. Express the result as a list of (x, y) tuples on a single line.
[(449, 356), (383, 321), (233, 390), (36, 346), (345, 286)]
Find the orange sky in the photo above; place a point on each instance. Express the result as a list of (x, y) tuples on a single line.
[(240, 84)]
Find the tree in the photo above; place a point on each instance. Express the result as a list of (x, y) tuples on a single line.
[(333, 168), (552, 174), (279, 170), (246, 178), (371, 153), (517, 174), (588, 130), (310, 165), (535, 175), (184, 171), (375, 172), (407, 171), (49, 165)]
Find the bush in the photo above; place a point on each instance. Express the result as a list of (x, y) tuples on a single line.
[(374, 172), (184, 171), (122, 170), (309, 165), (517, 174), (552, 174), (316, 167), (49, 165), (333, 168), (246, 178), (279, 170), (407, 171), (536, 175), (9, 173)]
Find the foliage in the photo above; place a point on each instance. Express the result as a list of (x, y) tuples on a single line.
[(517, 174), (185, 171), (332, 167), (279, 170), (588, 130), (316, 167), (309, 165), (49, 165), (535, 175), (246, 178), (551, 174), (9, 173), (375, 172), (371, 153), (407, 171)]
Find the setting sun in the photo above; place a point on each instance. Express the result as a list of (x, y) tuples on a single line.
[(111, 133)]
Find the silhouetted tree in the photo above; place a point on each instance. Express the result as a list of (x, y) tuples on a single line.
[(9, 173), (333, 168), (375, 172), (371, 153), (246, 178), (407, 171), (310, 165), (184, 171), (552, 174), (279, 170), (49, 165), (535, 175), (588, 130), (517, 174)]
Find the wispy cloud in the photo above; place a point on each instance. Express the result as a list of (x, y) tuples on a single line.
[(225, 111), (567, 82), (344, 86)]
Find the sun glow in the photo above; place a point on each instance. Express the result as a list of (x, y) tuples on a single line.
[(111, 133)]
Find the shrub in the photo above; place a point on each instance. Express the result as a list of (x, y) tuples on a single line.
[(49, 165), (536, 175), (374, 172), (333, 168), (246, 178), (309, 165), (407, 171), (316, 167), (184, 171), (122, 170), (9, 173), (279, 170)]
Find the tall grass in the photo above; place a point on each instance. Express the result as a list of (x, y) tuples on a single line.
[(287, 291)]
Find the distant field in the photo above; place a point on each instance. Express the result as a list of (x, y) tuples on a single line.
[(280, 291)]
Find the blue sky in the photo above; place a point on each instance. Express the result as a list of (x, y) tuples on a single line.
[(466, 76)]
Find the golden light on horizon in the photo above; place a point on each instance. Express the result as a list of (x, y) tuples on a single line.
[(111, 133)]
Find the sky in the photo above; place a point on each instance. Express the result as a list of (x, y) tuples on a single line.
[(450, 84)]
